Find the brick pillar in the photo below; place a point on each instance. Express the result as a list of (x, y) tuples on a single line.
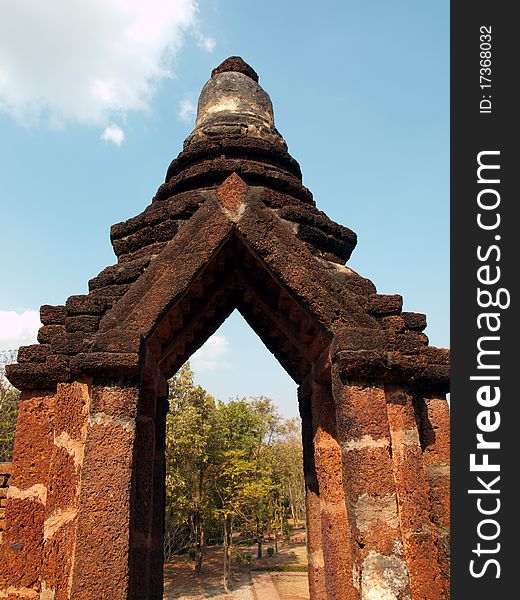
[(70, 424), (316, 571), (101, 565), (5, 474), (141, 509), (335, 529), (433, 418), (380, 568), (159, 499), (413, 497), (20, 552)]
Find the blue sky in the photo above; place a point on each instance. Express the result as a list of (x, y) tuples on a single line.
[(97, 97)]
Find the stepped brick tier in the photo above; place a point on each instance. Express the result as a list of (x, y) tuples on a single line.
[(232, 227)]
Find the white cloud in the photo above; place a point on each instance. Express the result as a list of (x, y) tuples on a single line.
[(187, 110), (211, 356), (113, 133), (67, 61), (207, 43), (18, 329)]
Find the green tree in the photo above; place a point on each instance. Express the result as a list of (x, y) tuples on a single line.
[(267, 502), (234, 470), (238, 480), (9, 397), (190, 447), (245, 479), (288, 457)]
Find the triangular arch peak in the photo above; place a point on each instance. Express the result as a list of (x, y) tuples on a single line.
[(248, 264), (232, 227)]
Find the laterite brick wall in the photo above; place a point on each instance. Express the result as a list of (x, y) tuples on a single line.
[(5, 474)]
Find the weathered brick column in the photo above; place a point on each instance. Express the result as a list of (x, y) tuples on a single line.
[(102, 551), (5, 475), (335, 526), (70, 427), (141, 507), (316, 565), (329, 556), (433, 417), (394, 464), (415, 514), (379, 565), (24, 536), (83, 519), (159, 500)]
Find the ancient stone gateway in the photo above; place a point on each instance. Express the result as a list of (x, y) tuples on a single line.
[(232, 227)]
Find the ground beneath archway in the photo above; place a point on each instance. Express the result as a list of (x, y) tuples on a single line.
[(181, 583)]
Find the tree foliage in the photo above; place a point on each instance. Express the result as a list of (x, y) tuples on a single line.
[(234, 472), (190, 450), (9, 397)]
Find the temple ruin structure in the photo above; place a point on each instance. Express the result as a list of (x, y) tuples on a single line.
[(231, 228)]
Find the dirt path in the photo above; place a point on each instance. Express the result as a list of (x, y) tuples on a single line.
[(291, 586), (181, 583)]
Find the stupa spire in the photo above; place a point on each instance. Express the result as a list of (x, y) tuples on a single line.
[(232, 103), (235, 64)]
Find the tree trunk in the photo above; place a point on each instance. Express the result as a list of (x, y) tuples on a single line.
[(258, 539), (230, 550), (200, 522), (193, 529), (226, 564), (282, 536), (201, 546), (292, 506)]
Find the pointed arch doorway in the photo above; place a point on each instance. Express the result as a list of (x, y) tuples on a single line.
[(233, 277)]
